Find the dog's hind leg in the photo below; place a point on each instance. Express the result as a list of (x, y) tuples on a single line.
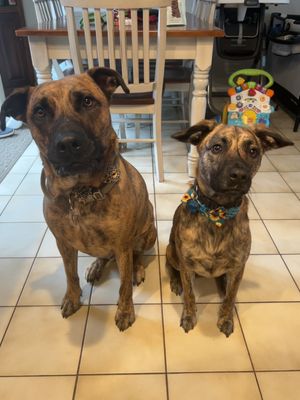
[(225, 320), (71, 300), (221, 285), (94, 271), (174, 274), (138, 269), (125, 316)]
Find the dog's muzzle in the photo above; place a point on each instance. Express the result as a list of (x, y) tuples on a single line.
[(72, 152), (233, 178)]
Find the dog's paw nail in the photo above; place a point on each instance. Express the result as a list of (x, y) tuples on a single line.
[(137, 283), (226, 327), (188, 323), (124, 320), (68, 308), (94, 272), (139, 275)]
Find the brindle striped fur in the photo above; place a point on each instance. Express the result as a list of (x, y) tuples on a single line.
[(229, 157), (121, 226)]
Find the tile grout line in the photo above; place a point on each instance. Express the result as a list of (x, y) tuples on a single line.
[(82, 343), (200, 372), (291, 275), (21, 291), (248, 351), (14, 193), (163, 330), (34, 258), (160, 286), (279, 253), (273, 241), (158, 304)]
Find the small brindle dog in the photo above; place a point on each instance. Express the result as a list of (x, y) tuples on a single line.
[(210, 234)]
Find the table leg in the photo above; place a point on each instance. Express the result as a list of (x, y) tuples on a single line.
[(40, 59), (202, 67)]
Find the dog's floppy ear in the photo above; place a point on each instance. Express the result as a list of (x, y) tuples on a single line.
[(108, 80), (15, 105), (196, 133), (270, 139)]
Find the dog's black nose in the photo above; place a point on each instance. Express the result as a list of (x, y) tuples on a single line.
[(70, 145), (238, 175)]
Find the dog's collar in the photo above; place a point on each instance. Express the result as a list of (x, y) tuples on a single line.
[(83, 195), (216, 215)]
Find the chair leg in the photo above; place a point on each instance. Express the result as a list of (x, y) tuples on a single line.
[(57, 69), (122, 128), (158, 153), (137, 127)]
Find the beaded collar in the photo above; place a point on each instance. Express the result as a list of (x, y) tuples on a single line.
[(81, 196), (218, 215)]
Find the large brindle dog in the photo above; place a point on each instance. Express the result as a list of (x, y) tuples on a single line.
[(94, 200), (210, 234)]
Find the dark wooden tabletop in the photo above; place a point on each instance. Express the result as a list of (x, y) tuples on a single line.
[(194, 27)]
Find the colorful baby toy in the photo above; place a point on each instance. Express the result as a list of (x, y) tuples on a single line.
[(249, 101)]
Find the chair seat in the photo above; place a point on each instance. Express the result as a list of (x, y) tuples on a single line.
[(124, 99), (177, 74), (175, 71)]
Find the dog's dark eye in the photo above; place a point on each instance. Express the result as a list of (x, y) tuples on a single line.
[(39, 112), (253, 151), (88, 101), (216, 148)]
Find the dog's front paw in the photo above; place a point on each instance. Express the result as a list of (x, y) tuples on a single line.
[(226, 326), (94, 271), (188, 320), (124, 319), (69, 306), (138, 274)]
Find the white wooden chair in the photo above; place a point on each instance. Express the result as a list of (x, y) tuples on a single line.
[(49, 10), (179, 78), (124, 47)]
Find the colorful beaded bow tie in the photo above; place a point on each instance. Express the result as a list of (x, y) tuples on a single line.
[(216, 215)]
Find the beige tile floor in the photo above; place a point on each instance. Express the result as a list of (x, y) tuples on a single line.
[(43, 356)]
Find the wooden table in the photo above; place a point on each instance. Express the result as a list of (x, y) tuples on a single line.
[(194, 41)]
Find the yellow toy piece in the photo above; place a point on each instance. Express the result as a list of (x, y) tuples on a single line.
[(249, 117), (240, 81)]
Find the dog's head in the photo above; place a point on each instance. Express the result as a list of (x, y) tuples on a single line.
[(229, 156), (69, 119)]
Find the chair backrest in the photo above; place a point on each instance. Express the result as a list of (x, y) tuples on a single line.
[(58, 8), (117, 42), (48, 10), (205, 10)]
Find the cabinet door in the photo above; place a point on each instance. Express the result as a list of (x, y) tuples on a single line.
[(15, 67)]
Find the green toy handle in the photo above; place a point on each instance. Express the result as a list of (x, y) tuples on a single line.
[(251, 72)]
